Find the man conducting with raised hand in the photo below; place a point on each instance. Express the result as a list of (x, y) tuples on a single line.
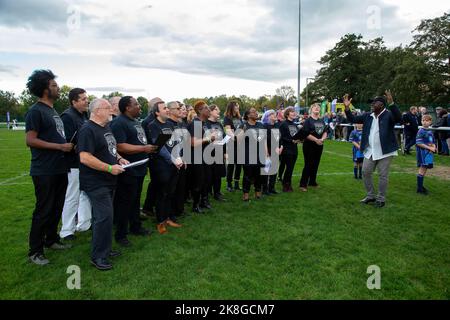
[(378, 143), (77, 203), (99, 166), (46, 138)]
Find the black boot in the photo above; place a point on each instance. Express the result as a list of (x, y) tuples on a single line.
[(236, 186), (229, 187)]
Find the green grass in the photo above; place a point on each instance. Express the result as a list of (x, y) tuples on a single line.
[(316, 245)]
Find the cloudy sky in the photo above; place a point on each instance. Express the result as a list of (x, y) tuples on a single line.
[(185, 48)]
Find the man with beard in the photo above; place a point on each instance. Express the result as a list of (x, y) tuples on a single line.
[(132, 143), (165, 167), (76, 205), (46, 138)]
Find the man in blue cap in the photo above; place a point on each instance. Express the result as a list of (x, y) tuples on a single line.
[(378, 143)]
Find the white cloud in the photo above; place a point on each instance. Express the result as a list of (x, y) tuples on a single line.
[(189, 48)]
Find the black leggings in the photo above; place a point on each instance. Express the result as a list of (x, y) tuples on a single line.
[(201, 175), (217, 172), (289, 160), (236, 169), (312, 154), (252, 175)]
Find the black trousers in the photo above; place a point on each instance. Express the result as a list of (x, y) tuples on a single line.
[(217, 173), (200, 181), (50, 192), (180, 192), (166, 179), (289, 160), (252, 175), (234, 170), (282, 167), (312, 154), (102, 221), (149, 202), (127, 205), (410, 140), (268, 182)]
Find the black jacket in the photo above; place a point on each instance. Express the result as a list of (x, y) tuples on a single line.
[(73, 121), (411, 123), (387, 121)]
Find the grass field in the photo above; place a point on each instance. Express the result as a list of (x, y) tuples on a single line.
[(291, 246)]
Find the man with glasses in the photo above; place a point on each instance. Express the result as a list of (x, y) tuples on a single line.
[(100, 164), (132, 143)]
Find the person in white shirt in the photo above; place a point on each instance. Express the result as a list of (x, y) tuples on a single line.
[(378, 143)]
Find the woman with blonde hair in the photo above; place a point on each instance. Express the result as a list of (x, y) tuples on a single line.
[(315, 131)]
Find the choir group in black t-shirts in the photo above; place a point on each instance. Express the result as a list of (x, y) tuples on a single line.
[(186, 159)]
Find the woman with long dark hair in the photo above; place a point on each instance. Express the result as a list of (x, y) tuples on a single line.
[(231, 122), (218, 170), (315, 131)]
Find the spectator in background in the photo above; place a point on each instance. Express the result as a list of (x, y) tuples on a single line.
[(442, 121), (411, 127)]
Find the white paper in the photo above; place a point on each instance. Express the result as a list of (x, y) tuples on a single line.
[(268, 165), (224, 141), (134, 164)]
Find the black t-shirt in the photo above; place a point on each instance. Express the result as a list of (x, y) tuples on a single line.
[(220, 134), (146, 122), (234, 123), (165, 153), (288, 130), (254, 143), (273, 133), (130, 131), (197, 123), (315, 128), (100, 142), (73, 121), (46, 122)]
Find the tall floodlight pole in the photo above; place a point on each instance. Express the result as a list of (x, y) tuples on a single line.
[(299, 48)]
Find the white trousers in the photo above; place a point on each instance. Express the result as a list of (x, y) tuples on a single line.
[(76, 202)]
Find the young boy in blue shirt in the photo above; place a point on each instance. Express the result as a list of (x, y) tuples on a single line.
[(358, 156), (425, 147)]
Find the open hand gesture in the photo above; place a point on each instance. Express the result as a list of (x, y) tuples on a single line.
[(347, 101)]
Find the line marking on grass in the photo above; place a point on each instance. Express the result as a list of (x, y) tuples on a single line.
[(5, 182)]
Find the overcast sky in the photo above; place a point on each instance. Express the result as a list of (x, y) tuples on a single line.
[(176, 49)]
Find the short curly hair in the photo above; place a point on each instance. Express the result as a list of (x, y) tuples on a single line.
[(39, 81)]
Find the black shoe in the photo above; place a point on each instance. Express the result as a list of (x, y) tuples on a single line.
[(197, 210), (102, 264), (423, 191), (59, 246), (70, 237), (236, 186), (148, 212), (113, 254), (367, 200), (379, 204), (266, 193), (273, 191), (219, 198), (141, 232), (229, 187), (124, 242), (205, 205)]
